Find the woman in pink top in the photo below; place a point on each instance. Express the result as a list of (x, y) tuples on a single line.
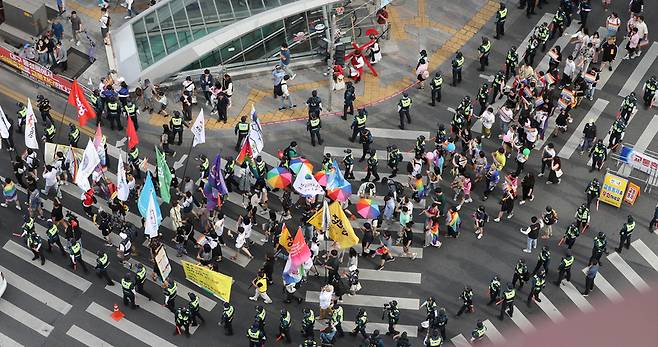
[(633, 42)]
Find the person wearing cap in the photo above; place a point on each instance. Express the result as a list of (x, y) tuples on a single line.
[(128, 286), (372, 167), (113, 113), (359, 123), (436, 84), (457, 64), (242, 130), (313, 126), (182, 321), (34, 243), (501, 16), (348, 100), (365, 139), (625, 234), (314, 104), (227, 318), (589, 134), (256, 336), (193, 308), (140, 279), (284, 326), (348, 161), (102, 262), (403, 109), (507, 302), (176, 124), (74, 135)]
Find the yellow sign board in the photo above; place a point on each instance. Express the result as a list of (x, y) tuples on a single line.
[(215, 282), (613, 189)]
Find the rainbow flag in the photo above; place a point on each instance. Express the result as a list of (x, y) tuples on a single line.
[(246, 153), (590, 78), (9, 191), (454, 220)]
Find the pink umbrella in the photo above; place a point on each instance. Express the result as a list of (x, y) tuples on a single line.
[(367, 208), (321, 177)]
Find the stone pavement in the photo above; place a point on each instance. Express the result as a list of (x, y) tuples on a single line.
[(440, 27)]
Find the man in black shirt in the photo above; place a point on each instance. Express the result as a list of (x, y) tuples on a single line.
[(533, 233)]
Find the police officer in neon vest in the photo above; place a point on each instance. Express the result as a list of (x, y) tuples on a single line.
[(102, 262), (193, 307), (140, 279), (128, 286), (74, 135), (182, 320), (507, 303), (284, 326), (564, 269), (433, 340), (403, 109), (256, 336), (478, 333), (436, 84), (49, 131), (113, 113), (650, 87), (227, 319), (313, 126), (22, 115), (359, 123), (625, 234), (131, 110), (75, 253), (501, 16), (242, 130), (176, 124), (483, 50), (457, 64), (53, 237), (169, 291)]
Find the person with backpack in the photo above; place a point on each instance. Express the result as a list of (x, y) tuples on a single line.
[(549, 217)]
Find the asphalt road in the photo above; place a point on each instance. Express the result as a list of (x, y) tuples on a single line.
[(443, 272)]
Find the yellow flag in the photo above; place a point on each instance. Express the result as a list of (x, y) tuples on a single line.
[(285, 239), (340, 229)]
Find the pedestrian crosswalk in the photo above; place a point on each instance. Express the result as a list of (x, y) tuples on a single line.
[(460, 341), (411, 330), (576, 138), (370, 300), (522, 322), (36, 292), (8, 341), (640, 71), (642, 143), (646, 253), (576, 297), (631, 275), (86, 337), (25, 318), (128, 326), (606, 288), (547, 306), (492, 333)]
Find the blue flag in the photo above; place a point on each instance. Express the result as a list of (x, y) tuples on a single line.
[(143, 201)]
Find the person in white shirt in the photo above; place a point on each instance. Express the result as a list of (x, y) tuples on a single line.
[(568, 72), (547, 158), (50, 176), (488, 120), (129, 7), (285, 96), (326, 296), (175, 215), (642, 31)]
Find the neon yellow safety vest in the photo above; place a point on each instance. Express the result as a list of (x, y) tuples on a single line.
[(405, 102), (502, 14)]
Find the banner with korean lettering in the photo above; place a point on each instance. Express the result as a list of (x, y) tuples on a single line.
[(215, 282), (639, 160)]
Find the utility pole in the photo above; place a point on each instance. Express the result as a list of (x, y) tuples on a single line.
[(331, 49)]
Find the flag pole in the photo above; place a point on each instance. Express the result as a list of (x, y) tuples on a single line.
[(189, 151), (62, 121)]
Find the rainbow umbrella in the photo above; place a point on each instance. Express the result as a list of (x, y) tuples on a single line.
[(341, 193), (279, 177), (296, 165), (367, 209), (321, 177)]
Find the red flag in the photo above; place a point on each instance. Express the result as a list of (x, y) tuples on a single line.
[(77, 99), (245, 152), (131, 133)]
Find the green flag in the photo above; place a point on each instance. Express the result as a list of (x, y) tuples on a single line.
[(164, 176)]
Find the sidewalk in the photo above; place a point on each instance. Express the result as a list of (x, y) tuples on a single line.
[(450, 28)]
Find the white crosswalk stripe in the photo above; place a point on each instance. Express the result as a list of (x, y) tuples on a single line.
[(643, 142), (460, 341), (522, 321), (616, 260), (604, 76), (606, 288), (398, 134), (149, 306), (646, 253), (128, 327), (6, 341), (576, 297), (85, 337), (575, 139), (550, 309), (389, 276), (640, 70), (35, 291), (493, 334), (49, 267), (411, 330), (369, 300), (25, 318), (356, 152)]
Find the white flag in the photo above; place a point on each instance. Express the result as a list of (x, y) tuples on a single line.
[(305, 184), (4, 125), (88, 164), (199, 129), (122, 184), (326, 217), (151, 223), (31, 128), (255, 133)]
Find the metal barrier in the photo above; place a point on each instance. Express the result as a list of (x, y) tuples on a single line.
[(648, 175)]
